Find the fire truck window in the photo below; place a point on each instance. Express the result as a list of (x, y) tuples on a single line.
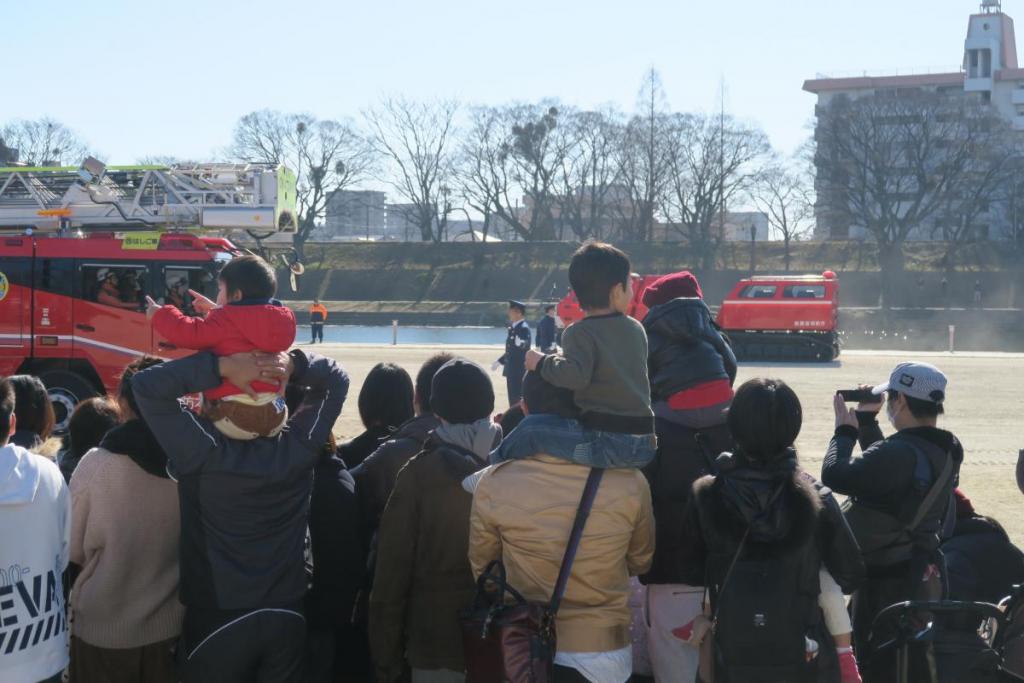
[(804, 292), (116, 286), (178, 282), (758, 292)]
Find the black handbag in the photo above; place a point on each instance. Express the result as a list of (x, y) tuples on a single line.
[(508, 639)]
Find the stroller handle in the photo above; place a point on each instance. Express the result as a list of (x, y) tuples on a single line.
[(900, 610)]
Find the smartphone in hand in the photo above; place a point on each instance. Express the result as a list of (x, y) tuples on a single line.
[(858, 396)]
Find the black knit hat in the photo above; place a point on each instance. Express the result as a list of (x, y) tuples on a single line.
[(461, 392)]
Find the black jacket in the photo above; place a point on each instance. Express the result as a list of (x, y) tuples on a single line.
[(680, 461), (546, 334), (883, 477), (339, 552), (805, 512), (375, 476), (244, 504), (981, 561), (354, 451), (685, 348)]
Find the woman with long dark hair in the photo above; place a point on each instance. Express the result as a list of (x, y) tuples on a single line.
[(770, 544)]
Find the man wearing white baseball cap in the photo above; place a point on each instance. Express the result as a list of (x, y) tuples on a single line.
[(901, 497)]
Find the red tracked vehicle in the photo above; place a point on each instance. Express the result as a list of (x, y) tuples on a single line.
[(784, 318), (569, 310)]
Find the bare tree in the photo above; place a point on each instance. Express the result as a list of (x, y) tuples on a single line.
[(535, 150), (783, 194), (898, 164), (643, 158), (7, 155), (711, 160), (44, 142), (482, 172), (416, 139), (591, 192), (326, 155)]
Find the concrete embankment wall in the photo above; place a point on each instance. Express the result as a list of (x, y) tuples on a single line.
[(465, 284)]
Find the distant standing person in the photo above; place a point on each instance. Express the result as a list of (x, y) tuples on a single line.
[(547, 330), (922, 301), (944, 290), (977, 293), (317, 318), (516, 345)]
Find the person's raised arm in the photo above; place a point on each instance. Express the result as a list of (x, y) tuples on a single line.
[(186, 331), (874, 473), (869, 432), (572, 369), (187, 438), (326, 386)]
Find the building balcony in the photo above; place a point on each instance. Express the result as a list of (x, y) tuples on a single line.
[(1017, 96), (977, 84)]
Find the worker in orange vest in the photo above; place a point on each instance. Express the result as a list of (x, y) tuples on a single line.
[(317, 318)]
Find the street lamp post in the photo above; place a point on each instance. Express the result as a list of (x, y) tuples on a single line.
[(753, 241)]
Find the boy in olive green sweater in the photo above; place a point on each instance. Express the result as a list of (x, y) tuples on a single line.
[(604, 363)]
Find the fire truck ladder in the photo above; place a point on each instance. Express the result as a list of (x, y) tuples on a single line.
[(94, 196)]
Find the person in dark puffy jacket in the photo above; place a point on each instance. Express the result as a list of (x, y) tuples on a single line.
[(691, 366), (691, 369)]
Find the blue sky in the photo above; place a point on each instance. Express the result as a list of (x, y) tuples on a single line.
[(162, 78)]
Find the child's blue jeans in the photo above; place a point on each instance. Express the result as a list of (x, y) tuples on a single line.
[(569, 440)]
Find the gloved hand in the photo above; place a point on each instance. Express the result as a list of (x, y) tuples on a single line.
[(848, 671), (495, 365)]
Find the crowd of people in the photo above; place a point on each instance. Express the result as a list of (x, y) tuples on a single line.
[(654, 518)]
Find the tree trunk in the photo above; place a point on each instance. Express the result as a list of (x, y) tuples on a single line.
[(890, 262)]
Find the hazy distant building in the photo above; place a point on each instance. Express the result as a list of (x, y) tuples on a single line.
[(356, 214), (989, 72)]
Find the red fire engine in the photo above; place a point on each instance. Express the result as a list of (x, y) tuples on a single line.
[(80, 249), (787, 318)]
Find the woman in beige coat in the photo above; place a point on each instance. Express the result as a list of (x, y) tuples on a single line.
[(124, 538)]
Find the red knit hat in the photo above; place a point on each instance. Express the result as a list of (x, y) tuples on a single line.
[(674, 286)]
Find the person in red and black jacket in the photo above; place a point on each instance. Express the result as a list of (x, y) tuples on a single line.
[(692, 370)]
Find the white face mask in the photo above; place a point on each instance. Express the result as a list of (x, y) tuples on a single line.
[(889, 413)]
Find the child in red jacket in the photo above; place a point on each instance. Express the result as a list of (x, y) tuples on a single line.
[(245, 317)]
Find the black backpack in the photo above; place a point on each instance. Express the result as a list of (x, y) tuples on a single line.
[(765, 610)]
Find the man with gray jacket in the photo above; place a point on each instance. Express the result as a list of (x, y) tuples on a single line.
[(244, 510)]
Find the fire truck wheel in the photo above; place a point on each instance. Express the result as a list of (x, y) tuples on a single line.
[(66, 390)]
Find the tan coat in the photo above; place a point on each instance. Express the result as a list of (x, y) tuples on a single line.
[(522, 514), (124, 534)]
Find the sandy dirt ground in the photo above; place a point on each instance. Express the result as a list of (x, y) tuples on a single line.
[(983, 409)]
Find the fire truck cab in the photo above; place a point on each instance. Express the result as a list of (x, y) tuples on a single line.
[(72, 310)]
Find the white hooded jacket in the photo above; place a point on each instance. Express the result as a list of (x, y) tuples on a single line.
[(35, 528)]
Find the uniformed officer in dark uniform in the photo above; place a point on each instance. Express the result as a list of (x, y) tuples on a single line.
[(516, 345), (547, 331)]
